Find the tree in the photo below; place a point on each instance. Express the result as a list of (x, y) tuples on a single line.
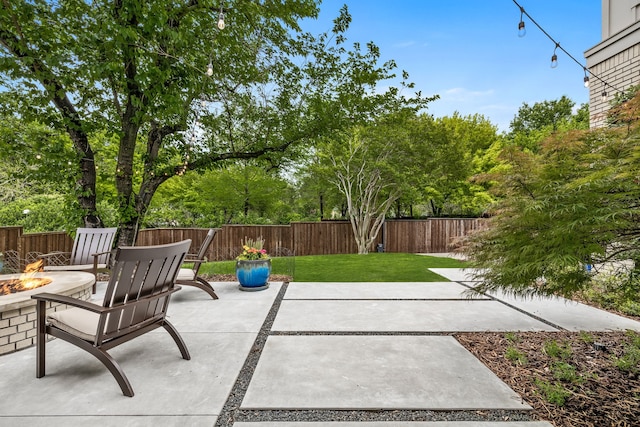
[(534, 123), (137, 70), (542, 114), (447, 153), (367, 165), (573, 203)]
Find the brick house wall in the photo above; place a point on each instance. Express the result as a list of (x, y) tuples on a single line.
[(616, 59)]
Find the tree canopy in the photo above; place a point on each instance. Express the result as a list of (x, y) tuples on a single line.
[(569, 206), (179, 94)]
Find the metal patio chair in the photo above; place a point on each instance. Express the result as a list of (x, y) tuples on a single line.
[(136, 301), (91, 252), (189, 276)]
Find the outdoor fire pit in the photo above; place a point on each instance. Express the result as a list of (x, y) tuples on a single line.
[(18, 310)]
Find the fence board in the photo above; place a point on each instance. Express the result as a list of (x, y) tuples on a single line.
[(300, 238), (10, 238), (161, 236)]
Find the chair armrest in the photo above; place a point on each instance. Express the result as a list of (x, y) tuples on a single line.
[(56, 258), (54, 253), (97, 254), (63, 299)]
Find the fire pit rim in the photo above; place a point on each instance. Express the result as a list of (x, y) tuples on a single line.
[(67, 281)]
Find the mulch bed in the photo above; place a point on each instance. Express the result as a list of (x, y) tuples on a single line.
[(599, 395)]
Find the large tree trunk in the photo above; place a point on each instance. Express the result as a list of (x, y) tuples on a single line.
[(133, 207), (87, 183)]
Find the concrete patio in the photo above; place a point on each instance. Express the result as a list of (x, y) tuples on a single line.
[(337, 354)]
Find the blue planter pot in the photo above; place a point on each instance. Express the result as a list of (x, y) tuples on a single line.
[(253, 275)]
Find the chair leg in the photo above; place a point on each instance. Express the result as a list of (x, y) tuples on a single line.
[(178, 339), (95, 273), (99, 354), (199, 283), (41, 337), (206, 286), (116, 371), (113, 367)]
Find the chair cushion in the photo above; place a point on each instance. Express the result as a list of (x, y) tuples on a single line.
[(75, 267), (76, 321), (186, 274)]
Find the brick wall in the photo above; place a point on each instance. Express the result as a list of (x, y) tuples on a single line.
[(622, 71), (18, 326)]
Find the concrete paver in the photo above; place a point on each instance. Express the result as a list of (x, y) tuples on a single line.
[(570, 315), (151, 362), (567, 314), (373, 290), (402, 316), (110, 421), (374, 372)]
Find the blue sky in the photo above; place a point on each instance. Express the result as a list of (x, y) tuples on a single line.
[(469, 52)]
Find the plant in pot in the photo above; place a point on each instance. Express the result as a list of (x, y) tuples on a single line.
[(253, 265)]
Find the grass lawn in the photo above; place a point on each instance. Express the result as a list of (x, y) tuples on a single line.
[(374, 267)]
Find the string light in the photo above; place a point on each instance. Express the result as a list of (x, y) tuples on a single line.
[(221, 24), (586, 78), (522, 31), (192, 134), (554, 58)]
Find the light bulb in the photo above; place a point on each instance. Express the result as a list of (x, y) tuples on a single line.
[(221, 24), (586, 81), (521, 30), (210, 69), (604, 96), (554, 61)]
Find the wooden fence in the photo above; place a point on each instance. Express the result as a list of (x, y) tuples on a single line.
[(300, 238)]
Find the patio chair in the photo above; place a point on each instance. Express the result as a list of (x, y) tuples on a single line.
[(189, 276), (136, 301), (91, 252)]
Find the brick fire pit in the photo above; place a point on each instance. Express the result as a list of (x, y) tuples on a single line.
[(18, 310)]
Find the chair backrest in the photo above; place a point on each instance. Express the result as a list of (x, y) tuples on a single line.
[(141, 283), (206, 242), (203, 250), (91, 241)]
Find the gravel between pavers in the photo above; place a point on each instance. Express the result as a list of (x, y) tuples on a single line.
[(231, 411)]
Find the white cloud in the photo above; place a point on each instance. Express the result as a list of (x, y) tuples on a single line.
[(404, 44), (460, 93)]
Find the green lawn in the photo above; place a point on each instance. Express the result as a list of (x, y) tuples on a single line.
[(374, 267)]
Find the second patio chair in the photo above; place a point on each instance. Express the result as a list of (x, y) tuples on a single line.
[(189, 276), (91, 252)]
